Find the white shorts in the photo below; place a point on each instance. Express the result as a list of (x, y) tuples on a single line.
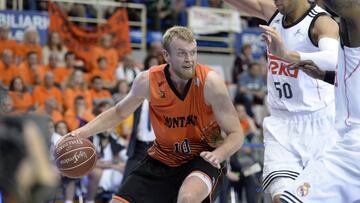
[(291, 141), (334, 177)]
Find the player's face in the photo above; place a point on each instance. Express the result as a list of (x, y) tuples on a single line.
[(18, 85), (284, 6), (182, 57)]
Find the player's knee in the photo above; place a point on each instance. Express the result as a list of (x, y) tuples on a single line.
[(185, 197)]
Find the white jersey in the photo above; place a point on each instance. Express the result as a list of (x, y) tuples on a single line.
[(293, 90), (347, 89)]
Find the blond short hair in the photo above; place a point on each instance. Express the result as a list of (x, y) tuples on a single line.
[(180, 32)]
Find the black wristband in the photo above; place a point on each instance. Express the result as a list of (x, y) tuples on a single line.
[(329, 77)]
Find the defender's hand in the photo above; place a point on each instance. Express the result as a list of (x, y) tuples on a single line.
[(309, 67), (274, 42)]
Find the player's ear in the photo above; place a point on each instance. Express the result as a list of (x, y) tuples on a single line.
[(166, 55)]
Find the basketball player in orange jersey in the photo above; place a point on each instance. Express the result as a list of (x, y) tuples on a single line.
[(189, 107), (301, 125), (335, 177)]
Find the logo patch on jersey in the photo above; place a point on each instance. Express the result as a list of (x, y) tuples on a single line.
[(161, 89), (278, 66), (303, 190), (277, 21), (197, 82), (298, 32)]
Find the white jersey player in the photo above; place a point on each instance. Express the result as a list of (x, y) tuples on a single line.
[(301, 125), (335, 177)]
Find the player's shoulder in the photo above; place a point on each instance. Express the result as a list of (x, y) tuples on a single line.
[(213, 81)]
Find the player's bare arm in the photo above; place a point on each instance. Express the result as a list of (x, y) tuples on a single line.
[(348, 10), (216, 95), (111, 117), (324, 34), (311, 69), (263, 9)]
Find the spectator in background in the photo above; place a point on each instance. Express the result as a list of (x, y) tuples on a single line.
[(8, 68), (151, 60), (31, 70), (156, 49), (97, 91), (251, 88), (50, 109), (62, 73), (241, 161), (54, 137), (157, 12), (105, 49), (104, 72), (215, 3), (53, 63), (122, 88), (54, 45), (76, 86), (79, 115), (108, 172), (242, 62), (124, 128), (26, 171), (31, 42), (127, 70), (69, 184), (5, 41), (47, 90), (142, 133), (7, 106), (21, 97)]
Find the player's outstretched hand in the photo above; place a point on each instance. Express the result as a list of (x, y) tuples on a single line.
[(212, 158), (273, 40), (66, 136), (309, 67)]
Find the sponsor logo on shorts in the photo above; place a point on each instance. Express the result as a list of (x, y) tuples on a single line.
[(303, 190)]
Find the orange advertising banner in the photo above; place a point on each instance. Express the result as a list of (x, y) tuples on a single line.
[(82, 41)]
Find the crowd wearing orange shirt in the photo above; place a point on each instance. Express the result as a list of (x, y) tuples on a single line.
[(50, 80)]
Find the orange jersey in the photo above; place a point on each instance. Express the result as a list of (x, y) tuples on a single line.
[(184, 125), (61, 74), (41, 94), (8, 73), (24, 49), (55, 115), (110, 54), (22, 101), (245, 125), (8, 44), (29, 75)]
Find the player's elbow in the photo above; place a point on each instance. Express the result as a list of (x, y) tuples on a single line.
[(238, 139)]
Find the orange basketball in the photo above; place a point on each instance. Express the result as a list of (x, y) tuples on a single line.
[(75, 157)]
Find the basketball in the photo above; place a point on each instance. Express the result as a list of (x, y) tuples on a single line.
[(75, 157)]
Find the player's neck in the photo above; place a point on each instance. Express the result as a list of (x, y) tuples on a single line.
[(297, 13), (177, 81)]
